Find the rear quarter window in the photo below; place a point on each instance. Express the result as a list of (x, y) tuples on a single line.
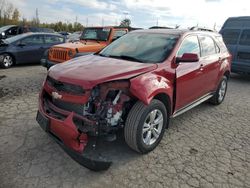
[(50, 39), (221, 44)]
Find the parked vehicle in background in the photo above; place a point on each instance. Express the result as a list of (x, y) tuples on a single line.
[(13, 30), (64, 33), (137, 83), (26, 48), (74, 37), (92, 40), (236, 34)]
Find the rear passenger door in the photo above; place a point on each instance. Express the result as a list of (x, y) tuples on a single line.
[(29, 49), (210, 62)]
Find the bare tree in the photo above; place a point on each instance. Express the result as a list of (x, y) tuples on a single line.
[(8, 10)]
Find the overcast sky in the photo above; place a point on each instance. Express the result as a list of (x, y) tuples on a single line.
[(143, 13)]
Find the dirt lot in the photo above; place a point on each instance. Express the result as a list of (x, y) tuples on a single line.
[(205, 147)]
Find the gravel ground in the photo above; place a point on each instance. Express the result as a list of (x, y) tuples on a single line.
[(206, 147)]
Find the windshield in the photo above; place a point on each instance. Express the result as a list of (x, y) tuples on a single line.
[(101, 34), (5, 28), (141, 47)]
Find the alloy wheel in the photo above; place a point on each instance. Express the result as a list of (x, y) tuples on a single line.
[(152, 127), (7, 61)]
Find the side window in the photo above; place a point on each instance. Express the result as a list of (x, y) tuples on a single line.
[(189, 45), (12, 31), (207, 46), (221, 44), (33, 40), (119, 33), (245, 37), (231, 36), (50, 39)]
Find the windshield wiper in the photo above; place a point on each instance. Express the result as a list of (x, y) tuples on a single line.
[(125, 57)]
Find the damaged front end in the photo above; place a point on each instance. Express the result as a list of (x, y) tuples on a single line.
[(81, 120)]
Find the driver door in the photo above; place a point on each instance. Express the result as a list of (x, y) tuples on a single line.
[(189, 86)]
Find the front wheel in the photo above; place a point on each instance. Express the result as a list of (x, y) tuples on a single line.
[(220, 93), (7, 61), (145, 126)]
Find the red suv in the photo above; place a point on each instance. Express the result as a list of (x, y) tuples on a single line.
[(137, 83)]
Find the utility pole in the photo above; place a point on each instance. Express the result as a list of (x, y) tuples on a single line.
[(37, 17), (87, 22), (102, 22)]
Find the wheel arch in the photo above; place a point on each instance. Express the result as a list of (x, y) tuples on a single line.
[(227, 74), (165, 99)]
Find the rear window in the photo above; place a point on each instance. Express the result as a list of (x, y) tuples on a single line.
[(245, 38), (231, 36)]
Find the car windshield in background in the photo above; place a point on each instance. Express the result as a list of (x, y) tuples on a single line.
[(5, 28), (13, 39), (101, 34), (141, 47)]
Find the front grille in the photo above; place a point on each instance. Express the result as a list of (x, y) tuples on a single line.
[(244, 56), (59, 54), (68, 106), (65, 87)]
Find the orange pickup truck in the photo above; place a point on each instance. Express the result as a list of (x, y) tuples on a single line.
[(93, 39)]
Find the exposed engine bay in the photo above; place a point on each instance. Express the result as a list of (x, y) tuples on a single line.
[(107, 105)]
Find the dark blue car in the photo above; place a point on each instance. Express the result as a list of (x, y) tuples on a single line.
[(236, 34), (26, 48)]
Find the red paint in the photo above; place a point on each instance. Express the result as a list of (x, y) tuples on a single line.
[(91, 70), (182, 82)]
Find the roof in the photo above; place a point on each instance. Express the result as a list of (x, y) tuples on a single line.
[(174, 31), (40, 33)]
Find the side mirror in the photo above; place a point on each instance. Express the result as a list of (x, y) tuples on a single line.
[(188, 58)]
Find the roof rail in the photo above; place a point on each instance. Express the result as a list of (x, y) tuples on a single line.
[(195, 28), (160, 27)]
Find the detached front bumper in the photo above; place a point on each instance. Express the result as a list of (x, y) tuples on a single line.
[(78, 145)]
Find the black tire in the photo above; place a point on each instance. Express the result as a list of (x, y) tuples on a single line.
[(7, 61), (136, 121), (219, 97)]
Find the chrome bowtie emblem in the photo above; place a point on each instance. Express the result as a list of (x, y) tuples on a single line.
[(55, 95)]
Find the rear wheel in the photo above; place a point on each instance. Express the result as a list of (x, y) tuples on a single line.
[(220, 93), (145, 126), (7, 61)]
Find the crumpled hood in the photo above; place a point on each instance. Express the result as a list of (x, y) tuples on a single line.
[(91, 70), (82, 46)]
